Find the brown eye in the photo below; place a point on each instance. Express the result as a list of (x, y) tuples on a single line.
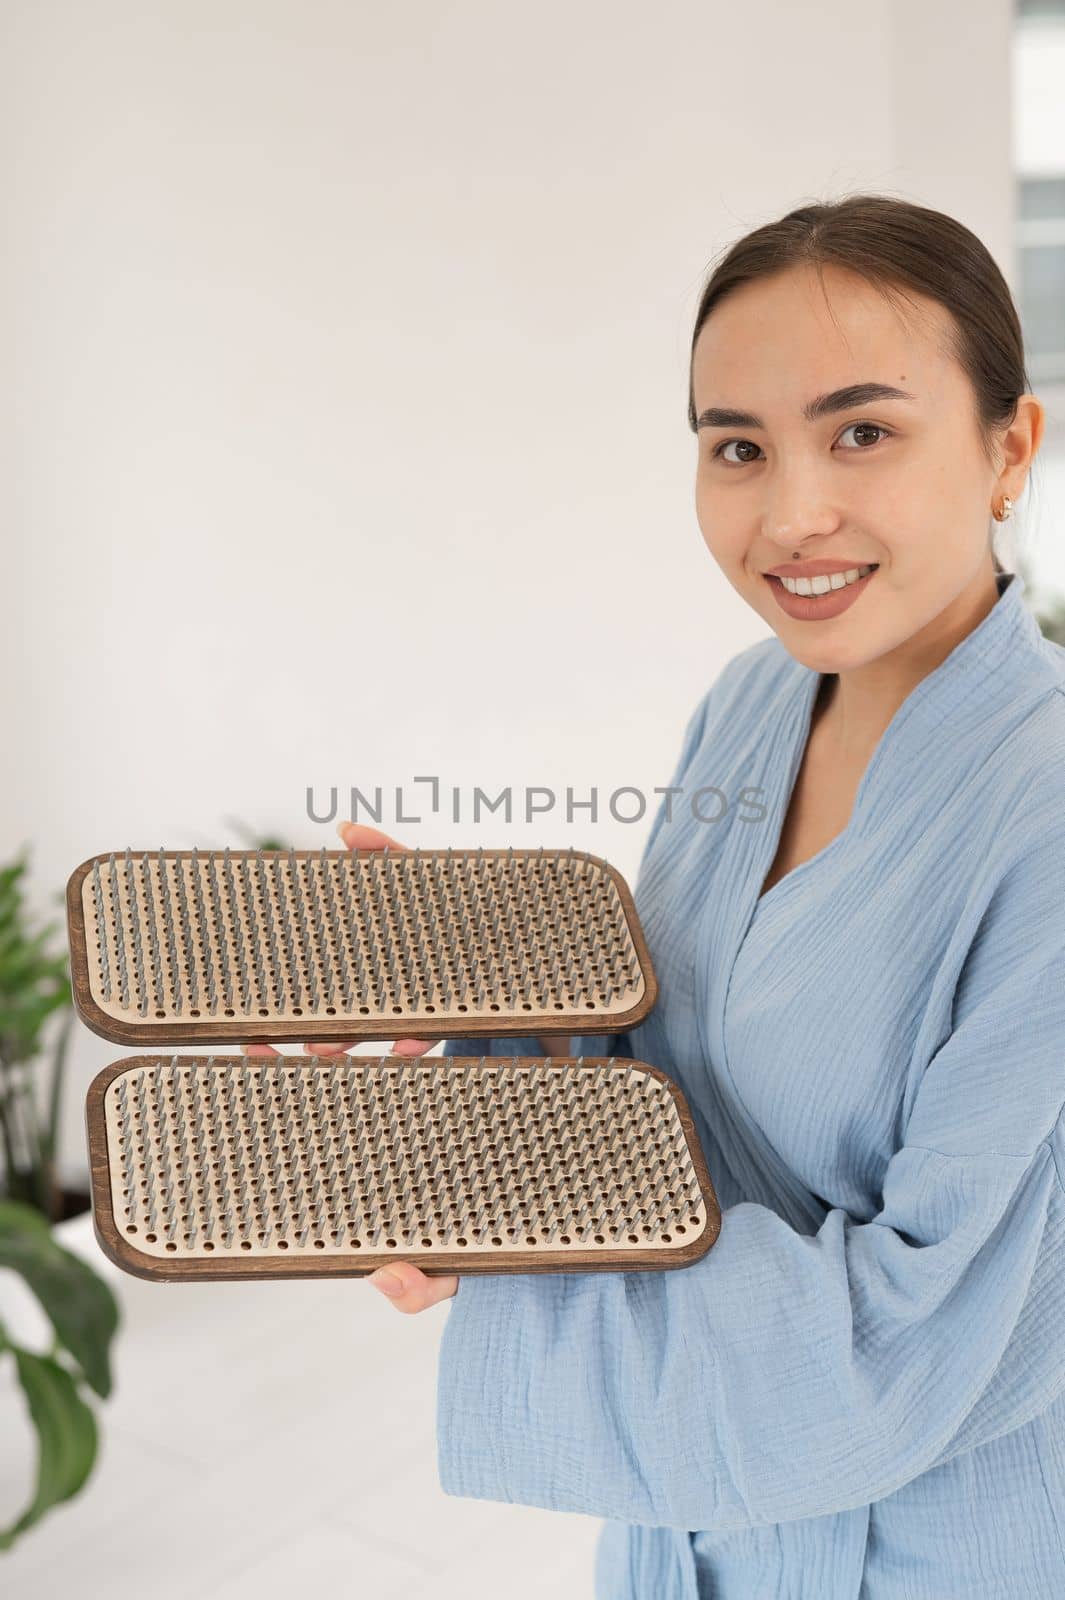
[(742, 444), (866, 428)]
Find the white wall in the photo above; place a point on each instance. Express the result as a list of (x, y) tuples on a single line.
[(347, 436)]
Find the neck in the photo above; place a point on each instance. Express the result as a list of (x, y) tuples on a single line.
[(854, 707)]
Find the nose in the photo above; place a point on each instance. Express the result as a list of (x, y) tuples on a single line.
[(797, 508)]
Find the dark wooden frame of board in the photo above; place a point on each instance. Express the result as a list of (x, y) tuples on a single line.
[(119, 1250), (259, 1031)]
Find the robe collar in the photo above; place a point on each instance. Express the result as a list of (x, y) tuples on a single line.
[(959, 709), (956, 715)]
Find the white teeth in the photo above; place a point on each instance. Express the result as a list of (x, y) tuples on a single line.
[(835, 580)]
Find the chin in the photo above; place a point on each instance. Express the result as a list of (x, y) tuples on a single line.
[(834, 660)]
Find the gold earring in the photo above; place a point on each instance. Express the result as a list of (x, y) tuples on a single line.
[(1005, 511)]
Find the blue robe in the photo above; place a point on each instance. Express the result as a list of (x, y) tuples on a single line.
[(859, 1391)]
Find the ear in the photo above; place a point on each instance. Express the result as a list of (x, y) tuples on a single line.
[(1017, 447)]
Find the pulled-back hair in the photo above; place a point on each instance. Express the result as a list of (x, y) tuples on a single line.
[(897, 246)]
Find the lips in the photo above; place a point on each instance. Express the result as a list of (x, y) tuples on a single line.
[(819, 607), (821, 583), (815, 569)]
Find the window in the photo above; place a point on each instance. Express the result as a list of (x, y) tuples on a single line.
[(1038, 549), (1039, 144), (1041, 261)]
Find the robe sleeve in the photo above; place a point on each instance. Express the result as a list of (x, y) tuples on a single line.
[(787, 1375)]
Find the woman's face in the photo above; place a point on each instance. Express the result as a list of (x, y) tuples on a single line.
[(899, 482)]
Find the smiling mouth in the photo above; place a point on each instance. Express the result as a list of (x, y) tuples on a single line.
[(826, 583)]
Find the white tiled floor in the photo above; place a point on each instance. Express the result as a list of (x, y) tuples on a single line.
[(266, 1439)]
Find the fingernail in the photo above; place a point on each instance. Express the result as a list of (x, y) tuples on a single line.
[(387, 1282), (340, 830)]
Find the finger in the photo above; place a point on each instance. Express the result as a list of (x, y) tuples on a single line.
[(402, 1047), (357, 836), (416, 1291)]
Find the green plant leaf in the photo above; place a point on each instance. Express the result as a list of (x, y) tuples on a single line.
[(34, 986), (9, 876), (80, 1305), (66, 1434), (59, 1062), (23, 961)]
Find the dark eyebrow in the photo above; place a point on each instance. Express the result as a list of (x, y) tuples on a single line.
[(856, 394)]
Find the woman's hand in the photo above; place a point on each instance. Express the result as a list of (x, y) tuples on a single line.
[(413, 1291), (357, 837), (410, 1289)]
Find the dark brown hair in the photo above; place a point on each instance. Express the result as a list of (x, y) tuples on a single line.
[(896, 246)]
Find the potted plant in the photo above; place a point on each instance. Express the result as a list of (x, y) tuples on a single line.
[(84, 1316), (34, 987)]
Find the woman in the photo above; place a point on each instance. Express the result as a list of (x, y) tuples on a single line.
[(860, 1390)]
